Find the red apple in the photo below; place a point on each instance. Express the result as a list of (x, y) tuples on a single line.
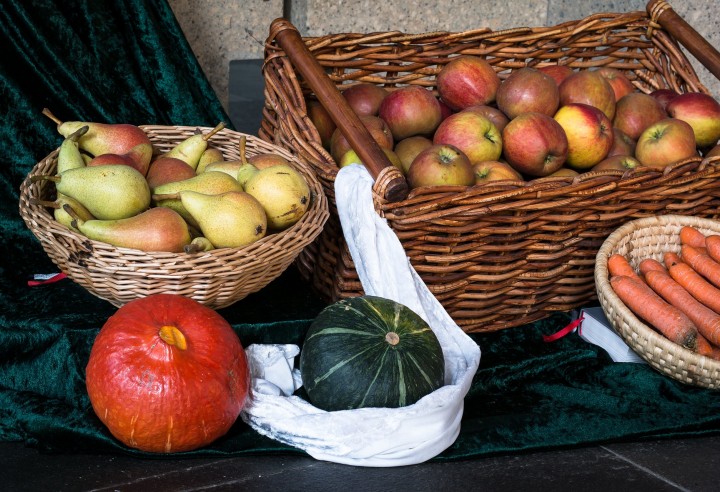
[(664, 96), (535, 144), (168, 170), (408, 148), (440, 165), (378, 130), (322, 121), (714, 152), (591, 88), (494, 171), (267, 159), (473, 134), (410, 110), (637, 111), (619, 82), (620, 162), (467, 81), (564, 172), (589, 133), (557, 72), (365, 98), (528, 90), (137, 157), (622, 144), (666, 142), (497, 117), (702, 112), (445, 110)]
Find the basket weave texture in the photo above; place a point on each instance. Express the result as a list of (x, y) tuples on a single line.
[(216, 278), (497, 255), (649, 238)]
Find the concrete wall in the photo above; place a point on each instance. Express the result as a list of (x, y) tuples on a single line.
[(220, 31)]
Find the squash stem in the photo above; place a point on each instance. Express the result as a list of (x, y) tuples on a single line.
[(172, 336), (392, 338)]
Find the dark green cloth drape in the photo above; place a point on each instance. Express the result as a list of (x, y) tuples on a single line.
[(127, 61)]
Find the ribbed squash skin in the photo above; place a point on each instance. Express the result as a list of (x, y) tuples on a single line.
[(347, 362)]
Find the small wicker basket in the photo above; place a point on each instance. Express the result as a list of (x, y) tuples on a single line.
[(216, 278), (649, 238), (497, 255)]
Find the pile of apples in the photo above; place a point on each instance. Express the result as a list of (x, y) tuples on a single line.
[(114, 186), (537, 122)]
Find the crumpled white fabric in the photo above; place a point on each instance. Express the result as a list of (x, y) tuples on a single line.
[(378, 437)]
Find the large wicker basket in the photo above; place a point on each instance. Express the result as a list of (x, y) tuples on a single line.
[(638, 239), (500, 255), (216, 278)]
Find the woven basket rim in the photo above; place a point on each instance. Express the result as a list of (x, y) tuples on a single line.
[(610, 300)]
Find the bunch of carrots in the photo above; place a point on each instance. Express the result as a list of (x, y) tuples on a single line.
[(679, 297)]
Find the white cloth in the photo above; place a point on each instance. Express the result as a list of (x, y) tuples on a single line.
[(379, 437)]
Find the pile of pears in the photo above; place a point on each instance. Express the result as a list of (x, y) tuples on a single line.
[(113, 185)]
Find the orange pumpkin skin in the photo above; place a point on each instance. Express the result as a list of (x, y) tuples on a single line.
[(167, 374)]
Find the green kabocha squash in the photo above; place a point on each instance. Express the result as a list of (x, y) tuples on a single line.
[(369, 352)]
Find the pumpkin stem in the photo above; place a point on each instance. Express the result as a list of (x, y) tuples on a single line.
[(172, 336), (392, 338)]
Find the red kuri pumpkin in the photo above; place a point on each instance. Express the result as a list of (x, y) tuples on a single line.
[(167, 374)]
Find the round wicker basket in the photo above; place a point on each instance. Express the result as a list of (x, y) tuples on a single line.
[(216, 278), (650, 238)]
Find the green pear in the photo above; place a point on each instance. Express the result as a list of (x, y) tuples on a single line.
[(156, 229), (208, 183), (61, 214), (199, 244), (228, 167), (190, 149), (110, 138), (69, 155), (245, 172), (210, 155), (228, 220), (283, 193), (108, 192)]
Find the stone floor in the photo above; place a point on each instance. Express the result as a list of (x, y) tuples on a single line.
[(681, 464)]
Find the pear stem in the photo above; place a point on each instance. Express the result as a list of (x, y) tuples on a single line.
[(72, 213), (243, 142), (166, 196), (44, 177), (75, 136), (212, 132), (49, 114)]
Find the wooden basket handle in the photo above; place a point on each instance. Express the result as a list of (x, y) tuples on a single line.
[(359, 138), (662, 13)]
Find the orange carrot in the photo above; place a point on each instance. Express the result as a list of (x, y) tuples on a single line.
[(706, 348), (619, 265), (692, 237), (647, 305), (712, 244), (705, 319), (701, 263), (690, 280), (649, 264)]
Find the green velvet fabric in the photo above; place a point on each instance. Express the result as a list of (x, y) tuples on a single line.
[(127, 61)]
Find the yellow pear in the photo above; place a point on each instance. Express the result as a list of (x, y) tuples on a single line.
[(283, 193)]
